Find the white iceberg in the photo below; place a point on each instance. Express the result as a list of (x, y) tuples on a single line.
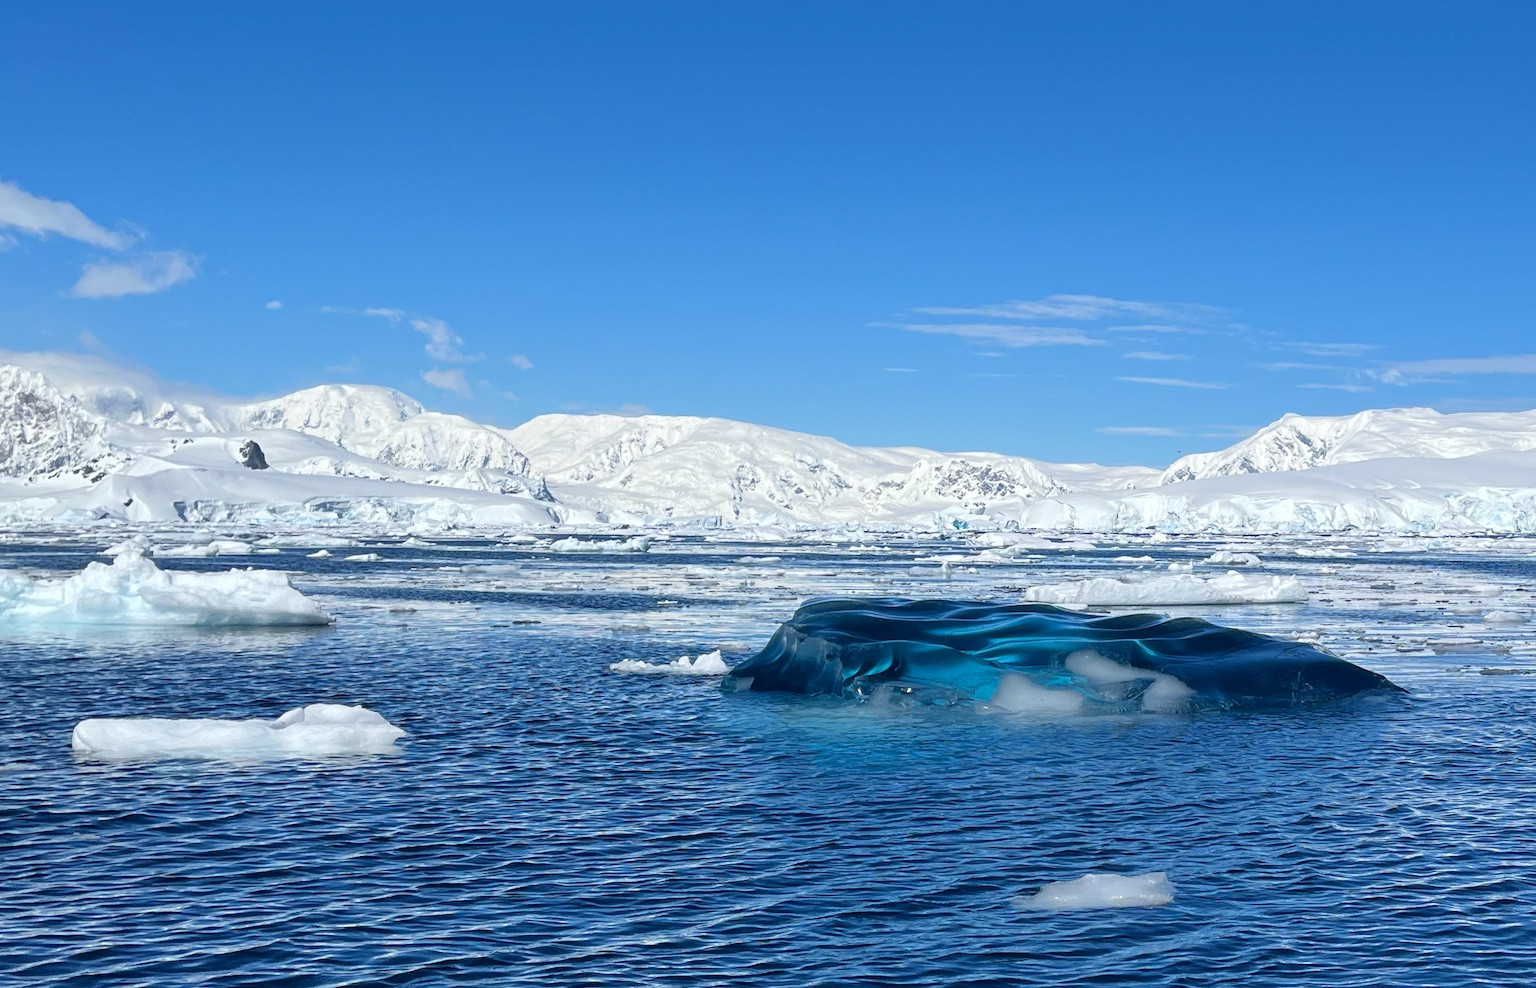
[(218, 547), (1226, 557), (362, 557), (1101, 890), (318, 729), (707, 664), (1180, 588), (133, 591), (639, 543)]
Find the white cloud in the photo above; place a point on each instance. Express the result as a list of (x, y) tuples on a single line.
[(1287, 365), (20, 210), (138, 276), (393, 315), (1414, 371), (899, 370), (1174, 382), (1138, 430), (7, 242), (520, 362), (448, 380), (1154, 355), (275, 304), (1003, 335), (442, 342)]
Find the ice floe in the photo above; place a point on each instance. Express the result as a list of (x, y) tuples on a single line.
[(133, 591), (1226, 557), (1101, 890), (639, 543), (317, 729), (1172, 589), (707, 664)]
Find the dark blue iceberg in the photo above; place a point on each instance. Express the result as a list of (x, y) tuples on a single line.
[(1040, 658)]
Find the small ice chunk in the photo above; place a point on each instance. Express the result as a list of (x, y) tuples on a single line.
[(319, 554), (362, 557), (218, 547), (1504, 617), (318, 729), (1101, 890), (1181, 567), (707, 664)]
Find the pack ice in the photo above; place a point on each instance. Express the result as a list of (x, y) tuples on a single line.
[(133, 591), (1101, 890), (318, 729)]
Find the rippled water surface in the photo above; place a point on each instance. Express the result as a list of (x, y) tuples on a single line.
[(547, 822)]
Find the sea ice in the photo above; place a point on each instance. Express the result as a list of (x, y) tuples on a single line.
[(218, 547), (133, 591), (707, 664), (362, 557), (1226, 557), (1179, 588), (318, 729), (1101, 890)]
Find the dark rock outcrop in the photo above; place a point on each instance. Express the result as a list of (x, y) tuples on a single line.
[(252, 456)]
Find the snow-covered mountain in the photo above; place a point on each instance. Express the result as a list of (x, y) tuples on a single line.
[(81, 439), (1300, 442), (655, 466)]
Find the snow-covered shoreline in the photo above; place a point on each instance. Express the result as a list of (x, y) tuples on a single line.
[(85, 445)]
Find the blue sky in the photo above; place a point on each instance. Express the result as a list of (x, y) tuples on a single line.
[(1097, 231)]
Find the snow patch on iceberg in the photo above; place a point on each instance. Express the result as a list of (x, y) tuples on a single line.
[(707, 664), (314, 730), (1101, 890), (133, 591), (1173, 589)]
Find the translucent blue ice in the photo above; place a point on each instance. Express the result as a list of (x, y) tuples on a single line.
[(1044, 659)]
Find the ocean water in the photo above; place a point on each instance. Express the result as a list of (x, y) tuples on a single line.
[(547, 822)]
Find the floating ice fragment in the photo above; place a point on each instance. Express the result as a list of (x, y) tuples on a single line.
[(319, 554), (318, 729), (1101, 890), (362, 557), (639, 543), (1180, 588), (1504, 617), (707, 664), (133, 591), (218, 547), (1225, 557)]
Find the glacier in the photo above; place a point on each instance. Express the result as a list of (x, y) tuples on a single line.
[(131, 591), (1040, 659), (88, 443), (319, 729)]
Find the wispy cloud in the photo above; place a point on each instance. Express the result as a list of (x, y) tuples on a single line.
[(1350, 388), (20, 210), (1289, 365), (1335, 350), (448, 380), (996, 334), (1416, 371), (443, 344), (137, 276), (899, 370), (1138, 430), (274, 305), (521, 362), (1080, 308), (1175, 382), (1154, 355)]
